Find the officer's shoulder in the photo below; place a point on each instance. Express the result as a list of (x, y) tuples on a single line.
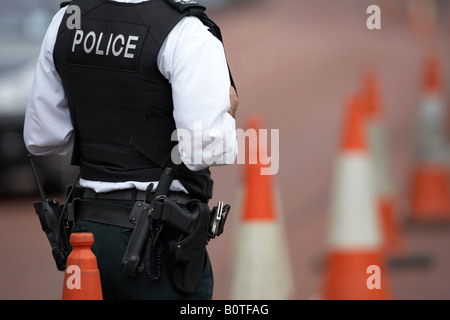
[(64, 4), (185, 5), (180, 5), (193, 8)]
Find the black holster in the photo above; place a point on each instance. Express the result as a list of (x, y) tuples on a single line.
[(56, 225), (187, 255), (189, 228), (188, 232)]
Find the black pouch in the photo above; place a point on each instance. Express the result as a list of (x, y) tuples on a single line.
[(187, 255), (56, 226)]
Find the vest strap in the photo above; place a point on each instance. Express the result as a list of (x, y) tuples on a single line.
[(186, 5)]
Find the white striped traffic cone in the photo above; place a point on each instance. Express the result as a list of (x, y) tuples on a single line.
[(261, 269), (394, 244), (355, 266), (384, 186), (430, 186)]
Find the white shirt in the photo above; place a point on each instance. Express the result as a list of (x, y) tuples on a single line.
[(194, 63)]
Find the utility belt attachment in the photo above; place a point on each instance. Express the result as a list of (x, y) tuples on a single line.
[(55, 222), (192, 226), (196, 225)]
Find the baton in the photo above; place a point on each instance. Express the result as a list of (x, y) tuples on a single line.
[(143, 210)]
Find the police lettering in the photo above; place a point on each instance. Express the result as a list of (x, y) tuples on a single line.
[(105, 44)]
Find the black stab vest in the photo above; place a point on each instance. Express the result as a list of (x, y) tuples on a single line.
[(121, 105)]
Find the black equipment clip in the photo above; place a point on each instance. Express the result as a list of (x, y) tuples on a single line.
[(219, 216), (54, 222)]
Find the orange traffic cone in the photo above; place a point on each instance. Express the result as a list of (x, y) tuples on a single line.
[(82, 277), (394, 244), (433, 82), (355, 263), (430, 194), (261, 269), (430, 186), (383, 178)]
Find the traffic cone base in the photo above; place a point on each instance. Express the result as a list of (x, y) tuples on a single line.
[(431, 194), (251, 280), (351, 277)]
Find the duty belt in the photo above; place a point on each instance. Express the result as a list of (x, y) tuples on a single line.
[(91, 207), (132, 195)]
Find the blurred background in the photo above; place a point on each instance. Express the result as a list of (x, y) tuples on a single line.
[(295, 63)]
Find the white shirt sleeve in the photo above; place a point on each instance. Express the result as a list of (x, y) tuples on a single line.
[(48, 127), (193, 61)]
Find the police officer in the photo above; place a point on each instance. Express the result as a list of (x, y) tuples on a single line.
[(139, 86)]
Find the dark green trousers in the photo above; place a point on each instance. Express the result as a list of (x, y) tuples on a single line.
[(109, 247)]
